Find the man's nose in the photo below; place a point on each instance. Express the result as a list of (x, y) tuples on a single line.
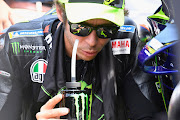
[(92, 38)]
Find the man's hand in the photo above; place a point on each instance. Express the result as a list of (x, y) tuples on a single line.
[(48, 112), (6, 18)]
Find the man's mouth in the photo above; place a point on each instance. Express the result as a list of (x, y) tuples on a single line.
[(90, 53)]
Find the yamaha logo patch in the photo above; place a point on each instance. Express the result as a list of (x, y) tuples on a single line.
[(121, 46), (37, 70)]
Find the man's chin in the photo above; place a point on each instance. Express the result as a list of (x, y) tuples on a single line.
[(86, 58)]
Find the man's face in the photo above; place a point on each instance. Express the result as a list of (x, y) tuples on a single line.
[(89, 46)]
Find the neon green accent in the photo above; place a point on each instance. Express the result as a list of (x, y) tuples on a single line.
[(90, 105), (89, 86), (63, 88), (76, 97), (83, 104), (24, 21), (52, 11), (87, 107), (85, 85), (83, 97), (18, 47), (45, 91), (123, 6), (107, 2), (15, 47), (158, 87), (160, 15), (162, 93), (98, 98), (78, 31), (101, 117), (163, 96), (63, 1), (102, 33)]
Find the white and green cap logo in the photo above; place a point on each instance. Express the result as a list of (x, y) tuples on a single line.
[(37, 70)]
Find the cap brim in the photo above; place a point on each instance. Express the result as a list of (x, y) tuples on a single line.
[(80, 12)]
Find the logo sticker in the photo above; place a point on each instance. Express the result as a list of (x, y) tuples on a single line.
[(155, 44), (27, 48), (121, 46), (127, 28), (38, 70), (48, 40), (25, 33), (46, 29)]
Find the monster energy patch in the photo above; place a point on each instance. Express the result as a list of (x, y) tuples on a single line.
[(19, 48)]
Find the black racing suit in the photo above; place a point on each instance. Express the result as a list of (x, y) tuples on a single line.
[(33, 68)]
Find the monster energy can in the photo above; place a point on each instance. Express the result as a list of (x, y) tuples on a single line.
[(77, 101)]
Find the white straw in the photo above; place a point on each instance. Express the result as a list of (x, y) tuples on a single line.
[(73, 61)]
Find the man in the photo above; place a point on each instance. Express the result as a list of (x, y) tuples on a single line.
[(47, 42)]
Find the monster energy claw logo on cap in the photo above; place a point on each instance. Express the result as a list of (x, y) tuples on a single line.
[(37, 70)]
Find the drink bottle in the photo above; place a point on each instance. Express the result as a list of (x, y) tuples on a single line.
[(74, 98)]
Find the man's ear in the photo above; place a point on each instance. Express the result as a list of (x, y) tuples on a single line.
[(59, 13)]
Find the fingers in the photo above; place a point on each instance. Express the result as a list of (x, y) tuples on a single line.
[(53, 113), (48, 112), (52, 102)]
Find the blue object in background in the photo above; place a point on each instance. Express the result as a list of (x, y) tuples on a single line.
[(161, 45)]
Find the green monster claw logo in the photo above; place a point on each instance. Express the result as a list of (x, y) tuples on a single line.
[(83, 97), (107, 2), (15, 47), (80, 110)]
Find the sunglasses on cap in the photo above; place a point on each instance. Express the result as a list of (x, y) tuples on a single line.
[(102, 31)]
